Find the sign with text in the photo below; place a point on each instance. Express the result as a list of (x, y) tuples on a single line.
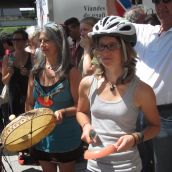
[(64, 9)]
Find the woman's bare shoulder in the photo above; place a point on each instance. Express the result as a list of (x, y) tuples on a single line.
[(143, 88), (144, 93), (86, 82)]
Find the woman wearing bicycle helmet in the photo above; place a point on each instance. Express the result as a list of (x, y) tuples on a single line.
[(109, 102)]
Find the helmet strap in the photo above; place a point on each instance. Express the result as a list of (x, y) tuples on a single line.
[(125, 58), (124, 50)]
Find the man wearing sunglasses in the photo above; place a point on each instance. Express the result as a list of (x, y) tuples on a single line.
[(154, 48)]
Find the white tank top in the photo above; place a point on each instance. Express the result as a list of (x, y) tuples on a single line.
[(112, 119)]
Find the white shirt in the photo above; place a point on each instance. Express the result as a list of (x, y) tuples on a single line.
[(155, 60)]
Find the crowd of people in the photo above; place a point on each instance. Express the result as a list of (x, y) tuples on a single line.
[(106, 80)]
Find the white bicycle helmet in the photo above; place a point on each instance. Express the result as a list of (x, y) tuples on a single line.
[(115, 26)]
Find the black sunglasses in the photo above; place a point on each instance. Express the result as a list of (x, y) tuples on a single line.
[(158, 1)]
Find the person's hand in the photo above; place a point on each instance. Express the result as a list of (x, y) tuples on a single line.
[(86, 134), (24, 71), (10, 70), (59, 114), (85, 42), (124, 143)]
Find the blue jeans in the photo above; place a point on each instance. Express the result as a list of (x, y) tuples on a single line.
[(162, 144)]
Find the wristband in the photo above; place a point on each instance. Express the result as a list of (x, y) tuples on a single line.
[(138, 137)]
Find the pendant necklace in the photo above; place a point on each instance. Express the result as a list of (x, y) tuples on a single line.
[(112, 86)]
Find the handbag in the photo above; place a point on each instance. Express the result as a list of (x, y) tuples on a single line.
[(4, 97)]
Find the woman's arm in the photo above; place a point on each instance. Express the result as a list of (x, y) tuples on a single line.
[(83, 110), (74, 80), (7, 71), (146, 100), (29, 99), (111, 8)]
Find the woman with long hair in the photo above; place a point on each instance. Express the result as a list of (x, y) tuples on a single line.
[(54, 84)]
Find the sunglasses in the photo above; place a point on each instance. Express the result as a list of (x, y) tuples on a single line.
[(110, 47), (158, 1)]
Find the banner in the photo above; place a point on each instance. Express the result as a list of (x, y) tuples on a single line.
[(64, 9), (42, 12), (122, 6)]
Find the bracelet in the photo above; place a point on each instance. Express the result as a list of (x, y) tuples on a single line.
[(134, 140), (138, 137)]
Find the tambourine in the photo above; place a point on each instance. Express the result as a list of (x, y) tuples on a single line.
[(28, 129), (88, 154)]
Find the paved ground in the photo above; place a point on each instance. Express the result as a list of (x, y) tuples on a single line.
[(10, 160)]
